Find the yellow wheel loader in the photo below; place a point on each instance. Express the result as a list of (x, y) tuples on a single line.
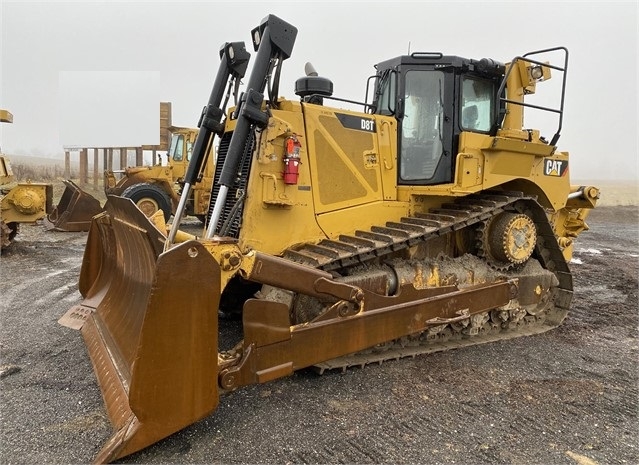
[(154, 188), (427, 218), (20, 202)]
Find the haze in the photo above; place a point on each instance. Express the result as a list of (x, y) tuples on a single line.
[(48, 47)]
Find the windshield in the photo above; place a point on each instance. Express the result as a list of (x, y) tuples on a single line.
[(421, 141)]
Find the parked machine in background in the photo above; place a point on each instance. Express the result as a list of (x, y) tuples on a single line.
[(152, 188), (20, 202), (429, 220)]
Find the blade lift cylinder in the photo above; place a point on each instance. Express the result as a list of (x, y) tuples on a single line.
[(234, 61)]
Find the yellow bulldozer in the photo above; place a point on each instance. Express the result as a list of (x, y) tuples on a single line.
[(426, 218), (20, 202), (152, 188)]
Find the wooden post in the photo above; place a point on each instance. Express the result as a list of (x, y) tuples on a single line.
[(67, 164), (155, 157), (139, 158), (109, 166), (84, 166), (95, 168), (123, 158)]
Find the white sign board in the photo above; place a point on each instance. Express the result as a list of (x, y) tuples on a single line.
[(109, 108)]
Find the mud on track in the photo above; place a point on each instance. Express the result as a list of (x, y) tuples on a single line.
[(564, 397)]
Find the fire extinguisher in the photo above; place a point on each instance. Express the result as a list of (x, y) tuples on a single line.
[(292, 160)]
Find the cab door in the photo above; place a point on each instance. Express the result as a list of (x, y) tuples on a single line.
[(426, 128)]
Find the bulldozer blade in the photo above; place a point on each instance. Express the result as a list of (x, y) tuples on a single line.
[(75, 210), (150, 328)]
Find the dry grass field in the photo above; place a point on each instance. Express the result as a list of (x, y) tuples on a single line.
[(615, 193)]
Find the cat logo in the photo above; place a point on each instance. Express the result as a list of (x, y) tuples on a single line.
[(554, 167)]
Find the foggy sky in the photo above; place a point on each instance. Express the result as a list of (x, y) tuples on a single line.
[(43, 41)]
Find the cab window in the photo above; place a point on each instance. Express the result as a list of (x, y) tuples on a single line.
[(386, 103), (177, 146), (477, 104), (189, 150)]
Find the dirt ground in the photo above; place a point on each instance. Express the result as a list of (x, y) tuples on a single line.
[(567, 396)]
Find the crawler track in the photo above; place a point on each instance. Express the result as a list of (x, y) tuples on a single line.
[(382, 242)]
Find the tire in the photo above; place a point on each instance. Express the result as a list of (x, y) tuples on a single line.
[(149, 198)]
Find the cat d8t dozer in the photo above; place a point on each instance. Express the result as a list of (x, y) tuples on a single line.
[(427, 218)]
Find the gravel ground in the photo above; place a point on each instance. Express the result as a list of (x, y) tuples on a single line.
[(564, 397)]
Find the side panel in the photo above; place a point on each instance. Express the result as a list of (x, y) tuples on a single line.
[(345, 168), (533, 168), (347, 178), (278, 215), (354, 171), (387, 144)]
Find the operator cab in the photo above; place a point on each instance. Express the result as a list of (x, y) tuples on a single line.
[(434, 99), (181, 146)]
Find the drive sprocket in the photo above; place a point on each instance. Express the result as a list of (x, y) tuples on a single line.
[(507, 240)]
